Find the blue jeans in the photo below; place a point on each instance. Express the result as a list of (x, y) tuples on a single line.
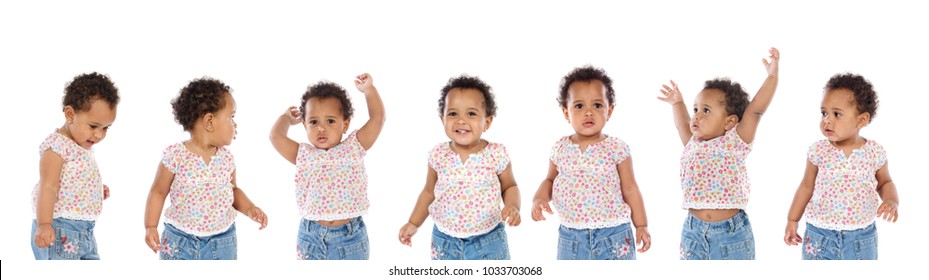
[(488, 246), (825, 244), (612, 243), (731, 239), (345, 242), (179, 245), (74, 240)]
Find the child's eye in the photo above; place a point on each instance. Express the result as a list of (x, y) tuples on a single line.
[(695, 110), (106, 128), (822, 113), (452, 114), (578, 106), (93, 127), (472, 114), (837, 114), (330, 121), (706, 111), (598, 105), (313, 122)]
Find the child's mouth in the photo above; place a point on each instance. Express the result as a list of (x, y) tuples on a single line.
[(462, 131), (588, 123), (322, 139)]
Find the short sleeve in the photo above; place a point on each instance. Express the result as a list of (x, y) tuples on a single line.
[(433, 157), (619, 151), (814, 154), (169, 158), (354, 144), (501, 157), (60, 146), (880, 157)]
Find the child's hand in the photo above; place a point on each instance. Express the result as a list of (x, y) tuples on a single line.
[(258, 216), (106, 192), (406, 234), (790, 234), (643, 239), (672, 94), (510, 215), (44, 236), (151, 238), (364, 82), (293, 115), (888, 211), (772, 65), (537, 207)]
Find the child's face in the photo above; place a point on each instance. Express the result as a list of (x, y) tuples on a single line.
[(710, 118), (224, 126), (840, 117), (89, 127), (324, 122), (588, 108), (465, 116)]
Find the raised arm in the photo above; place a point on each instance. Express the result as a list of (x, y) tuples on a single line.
[(156, 202), (801, 199), (421, 210), (672, 95), (369, 132), (285, 146), (752, 116)]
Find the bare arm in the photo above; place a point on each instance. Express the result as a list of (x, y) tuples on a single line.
[(887, 190), (544, 194), (510, 193), (673, 96), (371, 129), (285, 146), (243, 204), (752, 116), (633, 197), (49, 183), (801, 199), (421, 210), (154, 205)]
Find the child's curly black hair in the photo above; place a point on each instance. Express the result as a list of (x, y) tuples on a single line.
[(736, 97), (199, 97), (469, 82), (85, 88), (323, 90), (586, 74), (865, 96)]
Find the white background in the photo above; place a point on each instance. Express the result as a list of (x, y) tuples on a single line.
[(270, 52)]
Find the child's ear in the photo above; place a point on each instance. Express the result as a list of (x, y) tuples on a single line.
[(208, 122), (69, 113), (565, 111), (610, 112), (731, 121), (487, 122), (864, 119), (345, 126)]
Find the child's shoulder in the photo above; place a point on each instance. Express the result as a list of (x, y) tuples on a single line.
[(874, 146)]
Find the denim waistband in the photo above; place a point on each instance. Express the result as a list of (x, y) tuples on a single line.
[(730, 225), (181, 233), (351, 227)]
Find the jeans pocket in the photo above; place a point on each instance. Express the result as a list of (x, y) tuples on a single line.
[(494, 246), (622, 246), (690, 250), (813, 246), (171, 246), (68, 245), (225, 248), (305, 250), (866, 249), (567, 249), (740, 250), (355, 251)]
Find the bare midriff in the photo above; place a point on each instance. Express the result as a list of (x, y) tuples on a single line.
[(713, 215), (334, 223)]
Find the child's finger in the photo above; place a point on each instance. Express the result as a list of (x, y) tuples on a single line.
[(547, 208)]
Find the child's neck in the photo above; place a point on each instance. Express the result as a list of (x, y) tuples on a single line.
[(849, 144), (583, 141), (466, 151), (200, 145)]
